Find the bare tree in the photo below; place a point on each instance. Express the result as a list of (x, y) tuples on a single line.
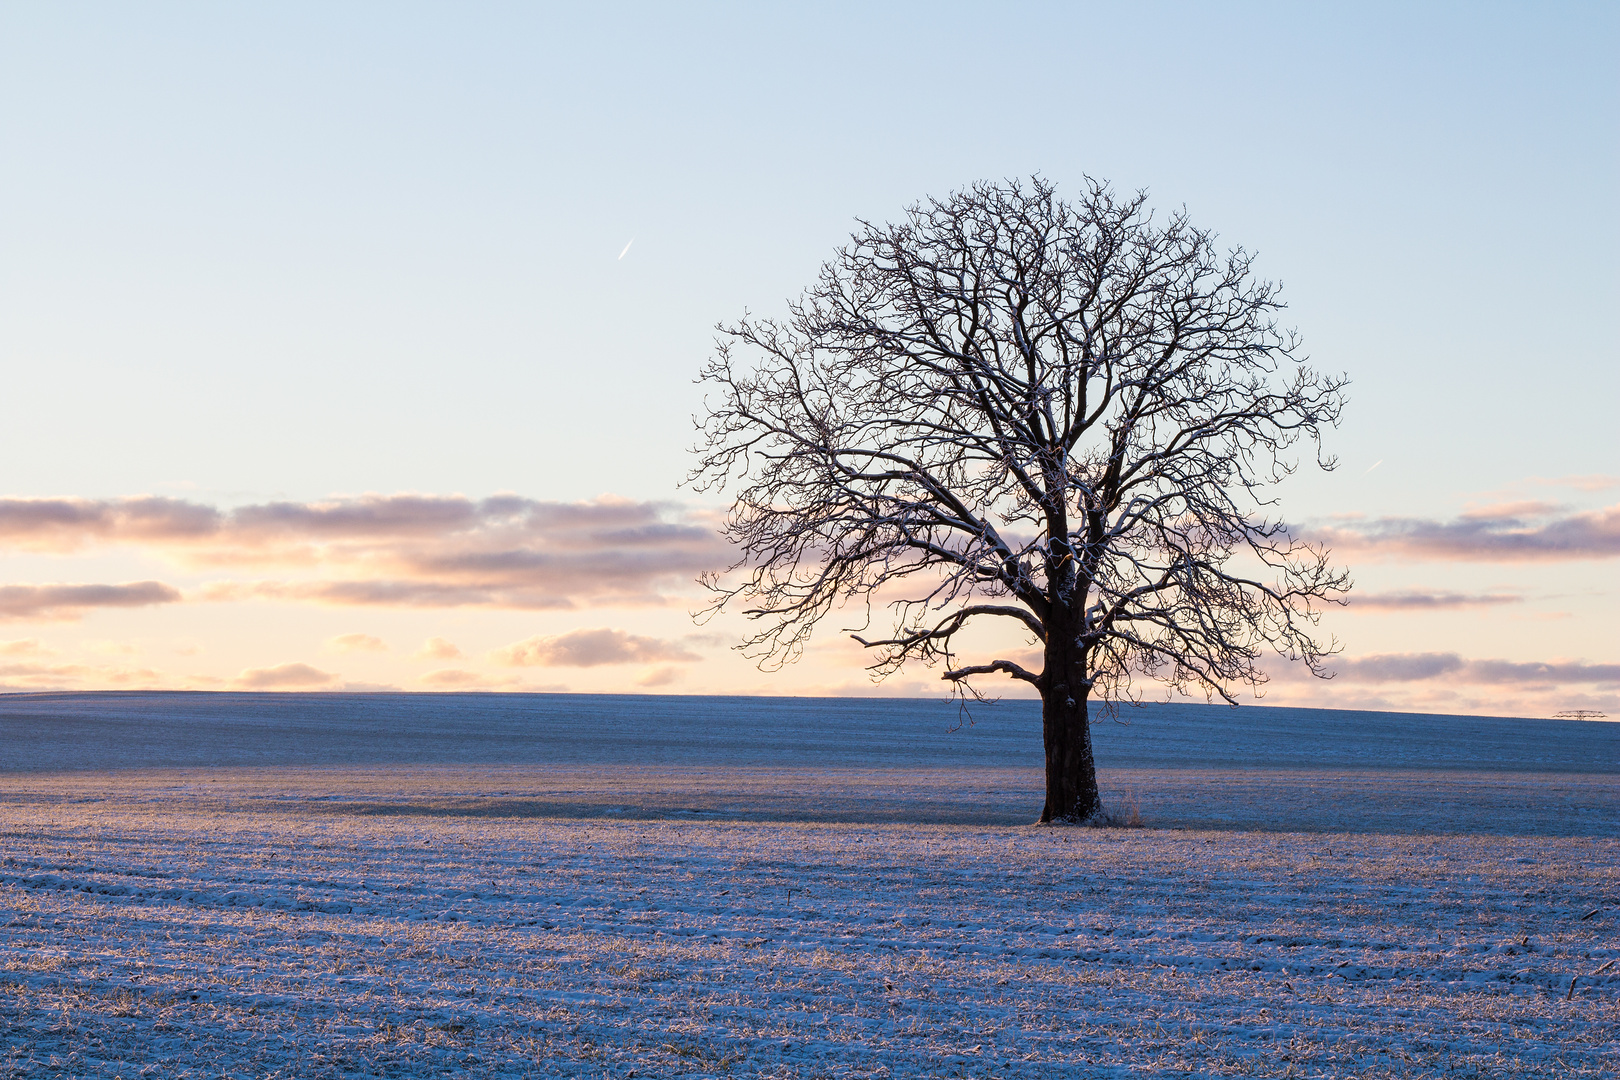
[(1009, 406)]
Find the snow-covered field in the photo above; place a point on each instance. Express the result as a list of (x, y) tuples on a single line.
[(543, 920)]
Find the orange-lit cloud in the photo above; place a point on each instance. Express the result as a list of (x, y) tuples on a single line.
[(36, 676), (284, 677), (589, 648), (1510, 532), (438, 648), (110, 648), (23, 647), (68, 602), (452, 677), (464, 679), (660, 676), (357, 643)]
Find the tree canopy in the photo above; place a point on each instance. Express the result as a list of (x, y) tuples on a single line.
[(1010, 406)]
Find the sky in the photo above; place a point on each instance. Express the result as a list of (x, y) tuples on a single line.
[(355, 345)]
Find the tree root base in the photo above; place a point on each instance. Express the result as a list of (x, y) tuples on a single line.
[(1128, 817)]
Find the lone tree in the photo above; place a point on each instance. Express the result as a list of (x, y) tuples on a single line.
[(1009, 406)]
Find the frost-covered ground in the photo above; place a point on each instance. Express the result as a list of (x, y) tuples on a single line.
[(713, 922)]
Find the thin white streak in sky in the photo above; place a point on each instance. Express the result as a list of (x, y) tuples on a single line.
[(626, 250), (1370, 468)]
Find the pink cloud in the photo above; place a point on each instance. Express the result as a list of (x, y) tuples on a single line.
[(1428, 600), (68, 524), (1516, 510), (1587, 482), (1451, 667), (396, 593), (1448, 682)]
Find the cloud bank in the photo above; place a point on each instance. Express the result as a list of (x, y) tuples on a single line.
[(423, 551), (1509, 532), (1449, 682), (37, 676), (1413, 667), (1453, 668)]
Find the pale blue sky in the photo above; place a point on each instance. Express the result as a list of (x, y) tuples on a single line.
[(293, 250), (314, 248)]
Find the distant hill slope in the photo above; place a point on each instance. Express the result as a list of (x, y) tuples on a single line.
[(45, 732)]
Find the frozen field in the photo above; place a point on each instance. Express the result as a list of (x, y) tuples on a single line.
[(699, 917)]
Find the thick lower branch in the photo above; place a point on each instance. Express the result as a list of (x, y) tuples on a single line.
[(995, 665)]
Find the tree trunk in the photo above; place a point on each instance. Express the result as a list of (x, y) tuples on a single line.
[(1071, 772)]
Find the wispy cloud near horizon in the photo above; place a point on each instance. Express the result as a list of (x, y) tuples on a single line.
[(42, 676), (1586, 482), (1405, 667), (393, 550), (1510, 532), (1427, 600), (284, 677), (1450, 682), (589, 648)]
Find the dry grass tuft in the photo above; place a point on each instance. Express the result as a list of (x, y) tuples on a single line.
[(1126, 815)]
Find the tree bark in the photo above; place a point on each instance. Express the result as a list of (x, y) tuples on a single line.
[(1071, 772)]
